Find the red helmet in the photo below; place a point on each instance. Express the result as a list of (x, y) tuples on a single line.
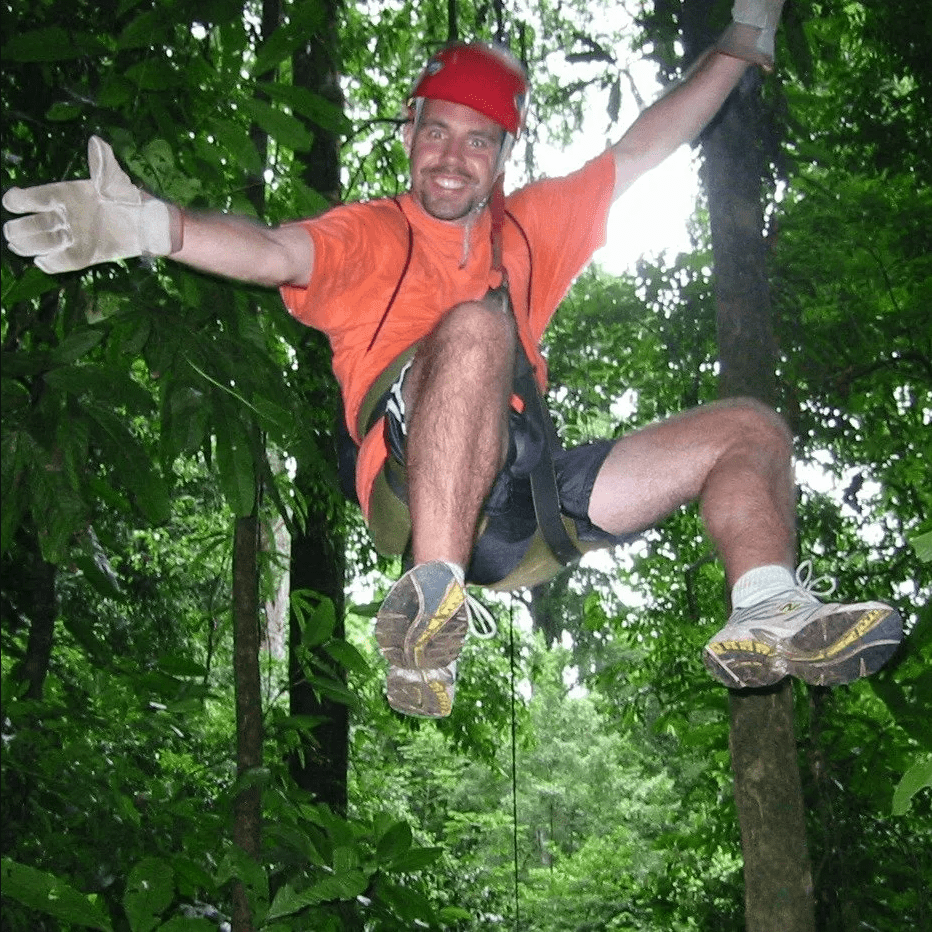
[(488, 79)]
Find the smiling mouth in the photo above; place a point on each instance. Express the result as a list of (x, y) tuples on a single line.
[(450, 182)]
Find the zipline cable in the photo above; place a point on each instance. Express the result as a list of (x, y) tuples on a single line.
[(514, 762)]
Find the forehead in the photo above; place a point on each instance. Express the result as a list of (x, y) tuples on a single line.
[(450, 114)]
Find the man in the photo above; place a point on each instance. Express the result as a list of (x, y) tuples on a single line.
[(434, 303)]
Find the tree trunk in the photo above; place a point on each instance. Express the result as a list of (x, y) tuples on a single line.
[(247, 681), (318, 553), (247, 805), (42, 611), (768, 790)]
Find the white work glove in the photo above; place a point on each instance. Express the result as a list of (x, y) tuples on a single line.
[(74, 224), (752, 32)]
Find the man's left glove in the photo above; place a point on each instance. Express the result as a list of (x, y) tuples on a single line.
[(752, 32), (74, 224)]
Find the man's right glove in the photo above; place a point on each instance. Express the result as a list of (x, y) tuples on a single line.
[(74, 224), (752, 32)]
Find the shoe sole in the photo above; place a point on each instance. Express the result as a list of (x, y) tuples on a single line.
[(830, 651), (427, 697), (422, 623)]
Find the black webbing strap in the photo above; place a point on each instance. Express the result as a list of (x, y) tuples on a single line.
[(544, 490)]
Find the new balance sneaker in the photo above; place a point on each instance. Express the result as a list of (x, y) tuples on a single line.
[(423, 621), (795, 634), (422, 692)]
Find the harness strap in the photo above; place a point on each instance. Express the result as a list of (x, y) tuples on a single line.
[(544, 489)]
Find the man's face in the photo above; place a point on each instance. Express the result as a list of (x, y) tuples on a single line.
[(453, 153)]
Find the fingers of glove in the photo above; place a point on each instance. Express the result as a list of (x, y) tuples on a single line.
[(37, 198), (37, 234), (110, 181)]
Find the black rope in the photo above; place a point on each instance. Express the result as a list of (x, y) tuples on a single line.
[(514, 763)]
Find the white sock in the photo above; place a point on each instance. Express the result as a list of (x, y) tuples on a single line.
[(760, 584)]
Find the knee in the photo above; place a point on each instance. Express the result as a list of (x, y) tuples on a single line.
[(488, 320), (753, 420)]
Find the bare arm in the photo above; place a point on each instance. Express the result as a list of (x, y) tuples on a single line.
[(677, 117), (685, 110), (70, 225), (236, 247)]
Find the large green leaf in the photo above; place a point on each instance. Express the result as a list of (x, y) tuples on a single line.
[(51, 896), (234, 462), (131, 461), (149, 891), (52, 43), (916, 779), (282, 127)]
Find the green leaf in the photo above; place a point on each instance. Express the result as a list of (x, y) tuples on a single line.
[(319, 110), (179, 665), (395, 842), (149, 891), (234, 142), (304, 22), (345, 885), (61, 112), (48, 894), (282, 127), (131, 461), (76, 345), (918, 777), (416, 859), (234, 463), (346, 655), (51, 44), (31, 284), (922, 544)]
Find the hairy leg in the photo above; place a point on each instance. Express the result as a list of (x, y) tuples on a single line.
[(456, 397), (733, 456)]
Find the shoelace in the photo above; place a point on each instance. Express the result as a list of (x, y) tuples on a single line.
[(481, 623), (809, 583)]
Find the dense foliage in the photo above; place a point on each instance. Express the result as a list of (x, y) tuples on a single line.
[(143, 402)]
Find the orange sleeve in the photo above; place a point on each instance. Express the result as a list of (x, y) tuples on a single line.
[(565, 220)]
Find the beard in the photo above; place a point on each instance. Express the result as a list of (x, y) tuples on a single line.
[(447, 204)]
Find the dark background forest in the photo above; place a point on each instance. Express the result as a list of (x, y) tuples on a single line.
[(194, 731)]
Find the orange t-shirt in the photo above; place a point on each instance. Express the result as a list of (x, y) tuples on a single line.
[(360, 250)]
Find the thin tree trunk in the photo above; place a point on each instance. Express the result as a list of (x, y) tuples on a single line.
[(318, 553), (247, 681), (247, 805), (42, 611), (768, 789)]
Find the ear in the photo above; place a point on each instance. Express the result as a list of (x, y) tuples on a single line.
[(407, 137)]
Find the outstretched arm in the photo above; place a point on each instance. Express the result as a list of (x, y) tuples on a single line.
[(70, 225), (236, 247), (684, 111)]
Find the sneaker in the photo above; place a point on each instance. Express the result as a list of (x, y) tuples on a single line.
[(422, 692), (795, 634), (420, 629), (423, 621)]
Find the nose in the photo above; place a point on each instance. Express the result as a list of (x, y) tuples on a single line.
[(452, 151)]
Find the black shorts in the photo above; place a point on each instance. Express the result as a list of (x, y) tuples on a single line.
[(510, 524)]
